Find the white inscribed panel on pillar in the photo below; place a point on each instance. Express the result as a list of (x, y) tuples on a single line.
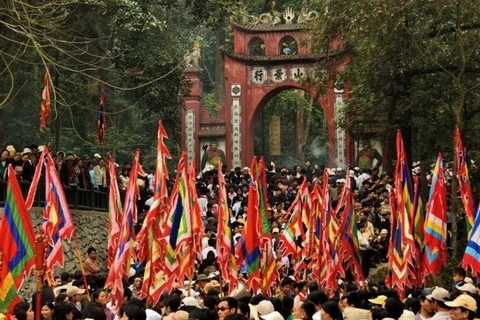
[(340, 157), (297, 73), (236, 133), (278, 74), (190, 133)]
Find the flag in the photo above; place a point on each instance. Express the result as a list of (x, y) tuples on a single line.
[(17, 256), (419, 231), (101, 119), (464, 182), (348, 246), (126, 241), (471, 258), (225, 250), (295, 231), (45, 105), (115, 213), (188, 249), (332, 263), (57, 221), (36, 179), (436, 222), (401, 261), (251, 239), (149, 237), (314, 245)]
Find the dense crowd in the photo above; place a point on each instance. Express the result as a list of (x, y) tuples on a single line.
[(205, 298)]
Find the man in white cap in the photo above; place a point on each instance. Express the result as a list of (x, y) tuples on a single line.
[(463, 307), (438, 297)]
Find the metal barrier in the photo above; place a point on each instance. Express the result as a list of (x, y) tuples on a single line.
[(80, 199)]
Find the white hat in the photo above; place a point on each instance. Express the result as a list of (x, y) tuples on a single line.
[(57, 290), (214, 274), (26, 150), (97, 155), (73, 290), (275, 315), (439, 294), (152, 315), (468, 280), (265, 307), (384, 231), (467, 287), (275, 230), (190, 302), (463, 300)]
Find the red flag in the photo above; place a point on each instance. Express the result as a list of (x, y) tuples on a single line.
[(464, 182), (402, 245), (36, 179), (101, 119), (115, 213), (17, 257), (45, 105), (149, 247), (57, 225), (225, 249), (126, 240), (348, 246)]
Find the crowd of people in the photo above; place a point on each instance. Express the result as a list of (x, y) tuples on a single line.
[(207, 299)]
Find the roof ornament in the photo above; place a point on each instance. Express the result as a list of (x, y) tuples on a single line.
[(288, 16)]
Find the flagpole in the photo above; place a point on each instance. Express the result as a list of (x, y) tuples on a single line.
[(82, 269), (40, 272)]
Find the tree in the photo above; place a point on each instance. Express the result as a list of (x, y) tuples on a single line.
[(414, 66)]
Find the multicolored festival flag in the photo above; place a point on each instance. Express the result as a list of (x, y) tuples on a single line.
[(126, 242), (464, 182), (436, 222), (418, 230), (225, 249), (401, 258), (348, 246), (101, 119), (115, 213), (45, 105), (17, 256), (149, 237), (57, 225), (471, 258)]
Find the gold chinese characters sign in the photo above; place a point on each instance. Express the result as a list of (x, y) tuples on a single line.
[(275, 136)]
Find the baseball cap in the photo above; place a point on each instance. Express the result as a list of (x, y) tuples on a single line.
[(439, 294), (265, 307), (463, 300), (467, 287), (73, 290)]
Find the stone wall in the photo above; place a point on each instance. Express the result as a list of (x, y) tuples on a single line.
[(91, 231)]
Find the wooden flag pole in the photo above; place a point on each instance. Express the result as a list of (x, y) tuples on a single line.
[(39, 272), (79, 257)]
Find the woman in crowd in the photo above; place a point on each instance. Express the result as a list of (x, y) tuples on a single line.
[(47, 311), (23, 311), (63, 311)]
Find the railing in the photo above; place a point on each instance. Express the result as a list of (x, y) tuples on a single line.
[(80, 199)]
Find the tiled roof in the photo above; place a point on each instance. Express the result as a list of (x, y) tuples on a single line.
[(277, 58), (213, 131), (251, 27)]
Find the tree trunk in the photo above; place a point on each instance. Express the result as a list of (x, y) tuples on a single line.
[(219, 64), (304, 117)]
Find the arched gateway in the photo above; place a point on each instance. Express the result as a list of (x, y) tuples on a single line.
[(270, 54)]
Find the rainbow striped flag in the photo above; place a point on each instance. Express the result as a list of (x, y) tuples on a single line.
[(418, 231), (225, 250), (471, 257), (17, 254), (251, 240), (149, 247), (436, 222), (464, 182), (125, 249)]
